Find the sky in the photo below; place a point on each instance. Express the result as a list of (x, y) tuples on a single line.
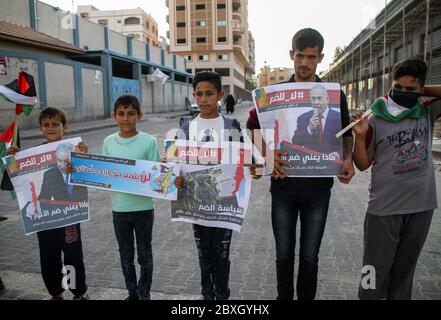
[(273, 23)]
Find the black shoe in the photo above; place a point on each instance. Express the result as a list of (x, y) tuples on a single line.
[(132, 297), (2, 286), (82, 297)]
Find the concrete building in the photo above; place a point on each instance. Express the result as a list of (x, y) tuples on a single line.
[(134, 23), (82, 66), (250, 83), (213, 35), (269, 76), (403, 29)]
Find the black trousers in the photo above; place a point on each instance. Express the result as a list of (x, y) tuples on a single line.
[(53, 243), (214, 250)]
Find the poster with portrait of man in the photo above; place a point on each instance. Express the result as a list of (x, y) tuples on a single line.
[(40, 180), (302, 119)]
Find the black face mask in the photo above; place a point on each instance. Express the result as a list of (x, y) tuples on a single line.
[(407, 99)]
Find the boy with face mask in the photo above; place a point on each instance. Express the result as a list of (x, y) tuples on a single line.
[(397, 142)]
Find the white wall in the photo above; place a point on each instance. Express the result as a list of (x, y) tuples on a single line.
[(155, 55), (54, 22), (117, 42), (91, 35), (93, 98), (60, 88), (139, 50), (15, 11)]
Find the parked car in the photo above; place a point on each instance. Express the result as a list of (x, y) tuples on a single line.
[(194, 108)]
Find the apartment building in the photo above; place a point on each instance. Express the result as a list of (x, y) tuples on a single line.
[(269, 76), (135, 23), (213, 35)]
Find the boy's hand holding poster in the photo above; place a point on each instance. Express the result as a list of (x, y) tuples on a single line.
[(216, 195), (141, 177), (45, 198), (302, 119), (213, 196), (208, 153)]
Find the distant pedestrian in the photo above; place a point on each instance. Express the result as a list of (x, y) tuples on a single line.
[(230, 103)]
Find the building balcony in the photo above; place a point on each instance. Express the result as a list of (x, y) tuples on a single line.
[(236, 4), (237, 30), (237, 26), (237, 16), (237, 47), (134, 28)]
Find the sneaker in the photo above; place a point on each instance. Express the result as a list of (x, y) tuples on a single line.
[(132, 297), (59, 297), (82, 297)]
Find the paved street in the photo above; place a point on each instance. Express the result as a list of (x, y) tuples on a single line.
[(176, 274)]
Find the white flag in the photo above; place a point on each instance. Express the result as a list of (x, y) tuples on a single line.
[(158, 75)]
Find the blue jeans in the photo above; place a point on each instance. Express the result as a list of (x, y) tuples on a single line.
[(214, 250), (313, 212), (140, 224)]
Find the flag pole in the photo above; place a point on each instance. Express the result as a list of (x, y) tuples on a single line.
[(349, 126), (14, 138)]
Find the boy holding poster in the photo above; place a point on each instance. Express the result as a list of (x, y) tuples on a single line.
[(133, 214), (397, 141), (213, 243), (67, 240)]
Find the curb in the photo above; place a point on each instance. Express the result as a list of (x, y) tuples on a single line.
[(71, 131)]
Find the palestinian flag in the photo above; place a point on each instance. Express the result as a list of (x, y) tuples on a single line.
[(380, 108), (5, 141), (21, 92)]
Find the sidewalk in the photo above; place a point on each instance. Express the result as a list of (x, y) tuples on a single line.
[(85, 126)]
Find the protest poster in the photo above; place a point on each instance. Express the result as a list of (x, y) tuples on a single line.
[(213, 196), (302, 118), (141, 177), (40, 180), (208, 153)]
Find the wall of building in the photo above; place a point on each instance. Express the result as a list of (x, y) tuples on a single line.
[(138, 49), (93, 94), (117, 42), (60, 90), (147, 102), (84, 89), (17, 11), (73, 86), (155, 55), (92, 36), (54, 22)]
